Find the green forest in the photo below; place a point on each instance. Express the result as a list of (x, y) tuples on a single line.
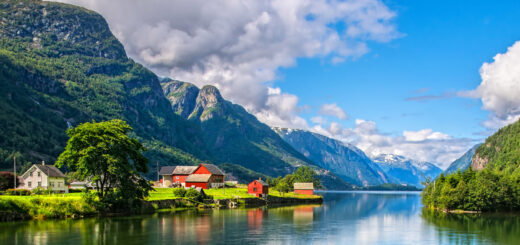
[(494, 188)]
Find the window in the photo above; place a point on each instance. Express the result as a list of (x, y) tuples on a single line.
[(29, 184), (177, 177), (254, 189), (39, 183), (52, 184), (59, 184), (39, 174)]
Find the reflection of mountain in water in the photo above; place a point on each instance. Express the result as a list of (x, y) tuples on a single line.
[(362, 204)]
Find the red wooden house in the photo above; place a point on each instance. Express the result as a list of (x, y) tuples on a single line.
[(258, 188), (206, 176), (175, 175), (304, 188)]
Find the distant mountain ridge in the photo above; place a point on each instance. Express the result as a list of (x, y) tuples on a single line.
[(463, 162), (346, 161), (406, 171)]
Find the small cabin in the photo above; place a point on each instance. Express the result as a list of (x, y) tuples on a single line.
[(258, 188), (304, 188), (44, 176)]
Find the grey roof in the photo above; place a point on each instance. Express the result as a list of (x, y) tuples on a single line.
[(303, 186), (50, 170), (167, 170), (261, 182), (184, 169), (213, 169), (198, 178)]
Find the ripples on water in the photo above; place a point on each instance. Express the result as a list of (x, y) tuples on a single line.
[(344, 218)]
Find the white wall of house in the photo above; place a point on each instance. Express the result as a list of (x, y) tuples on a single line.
[(35, 178)]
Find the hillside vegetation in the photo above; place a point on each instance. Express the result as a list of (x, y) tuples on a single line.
[(491, 184)]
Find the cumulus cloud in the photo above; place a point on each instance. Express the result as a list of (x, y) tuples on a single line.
[(499, 89), (422, 145), (333, 110), (238, 46)]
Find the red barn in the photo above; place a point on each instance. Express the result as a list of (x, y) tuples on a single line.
[(304, 188), (206, 176), (258, 188)]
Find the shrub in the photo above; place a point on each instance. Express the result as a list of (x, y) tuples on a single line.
[(18, 192), (41, 191), (179, 192), (194, 195)]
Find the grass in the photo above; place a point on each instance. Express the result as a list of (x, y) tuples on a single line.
[(46, 206), (161, 194)]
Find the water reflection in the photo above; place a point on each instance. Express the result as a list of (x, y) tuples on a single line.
[(344, 218)]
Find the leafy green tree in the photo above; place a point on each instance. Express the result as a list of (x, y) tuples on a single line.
[(306, 174), (104, 154), (283, 186)]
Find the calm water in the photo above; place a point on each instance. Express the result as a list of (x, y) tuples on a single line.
[(344, 218)]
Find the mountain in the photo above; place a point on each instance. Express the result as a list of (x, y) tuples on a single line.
[(61, 66), (229, 132), (463, 162), (500, 151), (406, 171), (346, 161)]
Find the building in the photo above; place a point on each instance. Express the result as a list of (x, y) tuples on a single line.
[(304, 188), (206, 176), (258, 187), (175, 175), (44, 176)]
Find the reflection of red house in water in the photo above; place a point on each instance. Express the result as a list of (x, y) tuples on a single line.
[(304, 188), (258, 188), (254, 219), (206, 176)]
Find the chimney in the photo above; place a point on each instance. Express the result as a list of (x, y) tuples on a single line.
[(43, 163), (260, 178)]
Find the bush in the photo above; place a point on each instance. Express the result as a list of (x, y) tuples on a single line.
[(194, 195), (41, 191), (76, 190), (18, 192), (179, 192)]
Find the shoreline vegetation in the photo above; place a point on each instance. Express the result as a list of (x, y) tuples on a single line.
[(81, 205)]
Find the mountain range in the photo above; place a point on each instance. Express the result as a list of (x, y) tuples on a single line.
[(61, 66), (407, 171)]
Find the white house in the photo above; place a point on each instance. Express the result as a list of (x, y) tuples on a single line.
[(45, 176)]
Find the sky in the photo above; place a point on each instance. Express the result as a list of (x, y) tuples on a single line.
[(422, 79)]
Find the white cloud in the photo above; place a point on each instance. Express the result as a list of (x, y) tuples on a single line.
[(422, 145), (333, 110), (319, 120), (500, 88), (238, 46)]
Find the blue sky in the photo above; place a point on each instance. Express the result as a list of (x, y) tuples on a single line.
[(443, 46), (411, 75)]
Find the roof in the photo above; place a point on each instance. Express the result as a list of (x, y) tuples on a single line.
[(213, 169), (48, 170), (261, 182), (167, 170), (303, 186), (184, 169), (198, 178)]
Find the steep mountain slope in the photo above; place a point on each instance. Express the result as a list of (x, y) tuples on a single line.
[(347, 161), (406, 171), (463, 162), (62, 66), (500, 151), (231, 134)]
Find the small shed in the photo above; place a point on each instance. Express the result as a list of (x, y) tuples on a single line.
[(304, 188), (258, 188)]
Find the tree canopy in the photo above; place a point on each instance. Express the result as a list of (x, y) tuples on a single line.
[(302, 174), (104, 154)]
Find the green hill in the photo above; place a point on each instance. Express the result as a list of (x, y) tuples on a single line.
[(491, 184), (61, 66)]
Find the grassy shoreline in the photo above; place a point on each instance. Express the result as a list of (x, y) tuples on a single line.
[(72, 205)]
